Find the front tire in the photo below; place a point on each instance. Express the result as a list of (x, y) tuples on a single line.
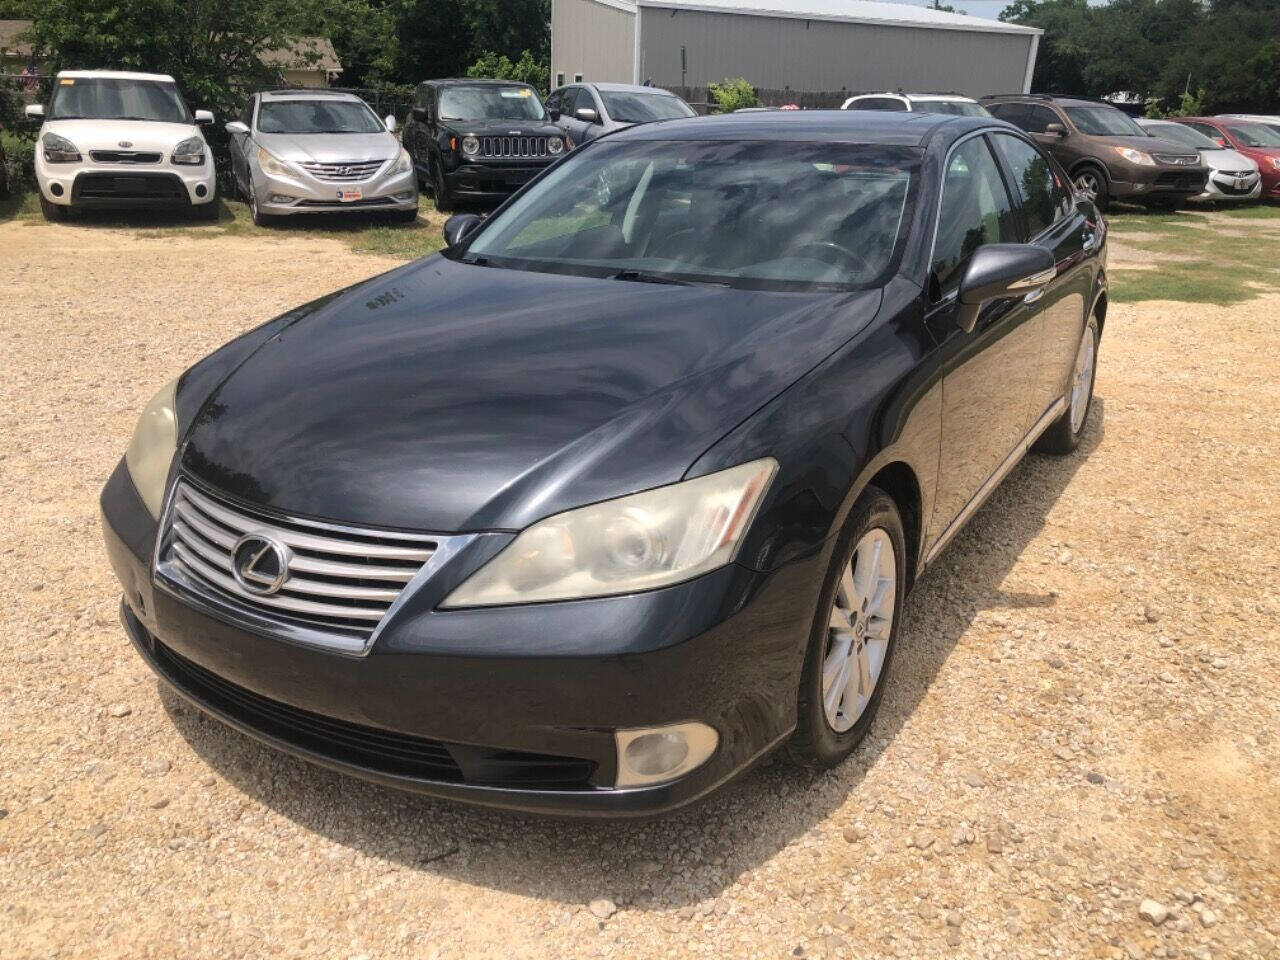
[(405, 216), (53, 212), (445, 202), (259, 218), (206, 212), (1065, 433), (1092, 182), (854, 632)]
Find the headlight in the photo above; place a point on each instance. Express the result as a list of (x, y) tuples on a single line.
[(555, 145), (151, 450), (403, 163), (1275, 162), (189, 153), (1135, 156), (270, 164), (470, 145), (59, 149), (638, 542)]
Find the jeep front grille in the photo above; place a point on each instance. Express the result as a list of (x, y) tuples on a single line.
[(513, 148)]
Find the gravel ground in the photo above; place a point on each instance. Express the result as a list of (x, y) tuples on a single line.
[(1083, 715)]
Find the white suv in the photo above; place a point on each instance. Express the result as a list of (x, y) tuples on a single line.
[(112, 140), (952, 103)]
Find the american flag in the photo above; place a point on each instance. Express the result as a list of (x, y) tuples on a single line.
[(31, 83)]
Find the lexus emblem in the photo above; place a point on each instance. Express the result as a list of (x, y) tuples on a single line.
[(260, 564), (125, 144)]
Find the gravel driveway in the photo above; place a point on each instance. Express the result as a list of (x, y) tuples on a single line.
[(1083, 717)]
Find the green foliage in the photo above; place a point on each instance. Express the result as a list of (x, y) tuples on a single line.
[(1229, 49), (525, 70), (21, 154), (443, 38), (733, 94), (1189, 105)]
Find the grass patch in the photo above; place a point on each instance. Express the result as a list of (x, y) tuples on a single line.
[(1218, 253)]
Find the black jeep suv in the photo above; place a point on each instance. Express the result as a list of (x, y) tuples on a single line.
[(479, 140)]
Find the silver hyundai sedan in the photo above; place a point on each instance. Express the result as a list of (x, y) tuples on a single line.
[(319, 151)]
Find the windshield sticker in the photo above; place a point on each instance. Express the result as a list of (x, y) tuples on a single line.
[(517, 94), (67, 82)]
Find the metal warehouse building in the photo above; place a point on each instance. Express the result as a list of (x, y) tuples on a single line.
[(804, 45)]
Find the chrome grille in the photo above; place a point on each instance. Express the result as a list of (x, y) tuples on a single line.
[(341, 581), (1178, 159), (513, 148), (347, 171)]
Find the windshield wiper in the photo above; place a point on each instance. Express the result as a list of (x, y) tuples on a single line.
[(639, 276)]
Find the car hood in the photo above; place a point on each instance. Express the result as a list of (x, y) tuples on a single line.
[(449, 397), (109, 134), (329, 147), (1227, 160), (1151, 145), (504, 128)]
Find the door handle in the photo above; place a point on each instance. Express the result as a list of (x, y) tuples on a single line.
[(1033, 296)]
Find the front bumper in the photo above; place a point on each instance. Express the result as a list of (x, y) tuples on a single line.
[(1223, 188), (114, 186), (492, 181), (463, 704), (307, 194), (1134, 182)]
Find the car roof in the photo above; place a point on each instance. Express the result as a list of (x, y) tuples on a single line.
[(114, 75), (474, 81), (624, 88), (307, 93), (904, 129), (918, 97), (1047, 98)]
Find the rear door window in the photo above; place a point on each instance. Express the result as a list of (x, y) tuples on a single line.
[(879, 103), (1015, 113)]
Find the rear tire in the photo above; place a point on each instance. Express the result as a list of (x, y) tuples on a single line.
[(54, 212), (1092, 182), (864, 588), (1065, 433)]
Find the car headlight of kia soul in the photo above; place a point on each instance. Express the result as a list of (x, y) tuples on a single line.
[(638, 542), (189, 153), (155, 439)]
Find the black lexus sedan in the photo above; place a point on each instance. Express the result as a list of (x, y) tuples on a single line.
[(479, 141), (627, 487)]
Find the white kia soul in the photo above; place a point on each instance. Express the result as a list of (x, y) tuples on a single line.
[(116, 140)]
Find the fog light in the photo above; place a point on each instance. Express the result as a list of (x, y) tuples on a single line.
[(652, 755), (404, 195), (55, 189), (281, 198), (202, 190)]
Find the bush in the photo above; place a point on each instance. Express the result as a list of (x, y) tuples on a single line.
[(732, 95), (21, 153), (525, 70), (1190, 106)]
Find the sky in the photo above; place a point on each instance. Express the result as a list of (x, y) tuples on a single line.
[(981, 8)]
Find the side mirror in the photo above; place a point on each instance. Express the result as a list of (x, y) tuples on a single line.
[(999, 271), (554, 115), (390, 122), (204, 116), (1055, 130), (587, 115), (236, 128), (34, 111), (419, 113), (458, 227)]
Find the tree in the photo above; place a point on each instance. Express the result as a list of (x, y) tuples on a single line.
[(443, 38), (733, 95), (525, 70)]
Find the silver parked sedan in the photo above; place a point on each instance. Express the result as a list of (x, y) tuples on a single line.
[(585, 111), (319, 151), (1232, 175)]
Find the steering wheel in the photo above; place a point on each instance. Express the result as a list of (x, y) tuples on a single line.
[(828, 251)]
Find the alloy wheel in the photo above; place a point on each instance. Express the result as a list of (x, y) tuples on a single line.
[(858, 630), (1087, 183), (1082, 379)]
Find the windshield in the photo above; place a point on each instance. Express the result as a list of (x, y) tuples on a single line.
[(643, 107), (1181, 133), (100, 98), (490, 103), (956, 108), (1255, 134), (317, 116), (756, 214), (1103, 121)]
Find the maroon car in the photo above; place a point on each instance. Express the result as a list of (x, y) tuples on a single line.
[(1257, 141)]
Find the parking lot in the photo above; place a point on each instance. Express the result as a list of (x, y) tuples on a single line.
[(1083, 717)]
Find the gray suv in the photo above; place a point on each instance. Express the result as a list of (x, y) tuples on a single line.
[(1108, 156)]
